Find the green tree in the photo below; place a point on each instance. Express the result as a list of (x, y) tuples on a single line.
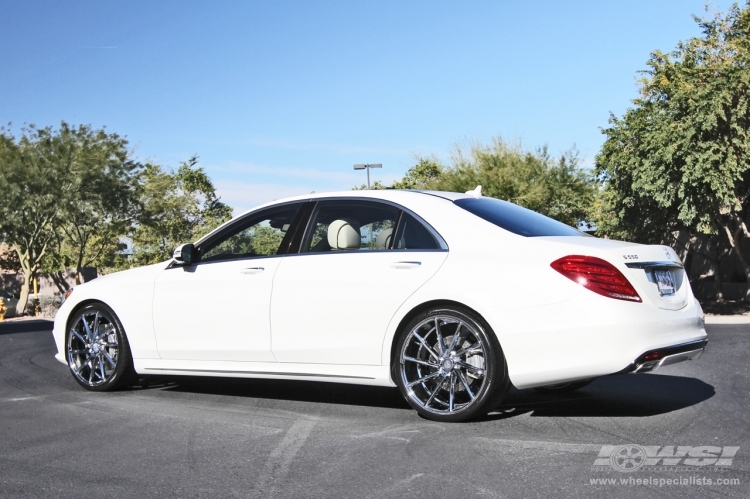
[(680, 157), (266, 240), (557, 187), (104, 197), (9, 259), (68, 196), (420, 176), (374, 186), (177, 207), (34, 181)]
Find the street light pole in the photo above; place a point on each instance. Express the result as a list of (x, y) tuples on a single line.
[(367, 167)]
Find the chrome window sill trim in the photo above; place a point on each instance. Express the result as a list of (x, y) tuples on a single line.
[(259, 373), (654, 265)]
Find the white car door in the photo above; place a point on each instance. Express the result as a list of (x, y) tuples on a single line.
[(333, 301), (218, 308)]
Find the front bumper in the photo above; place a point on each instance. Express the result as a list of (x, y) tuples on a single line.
[(654, 359)]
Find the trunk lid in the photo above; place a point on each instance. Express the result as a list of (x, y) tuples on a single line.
[(651, 269), (656, 272)]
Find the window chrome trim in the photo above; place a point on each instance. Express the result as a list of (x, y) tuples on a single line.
[(227, 227), (441, 242), (191, 267), (393, 252)]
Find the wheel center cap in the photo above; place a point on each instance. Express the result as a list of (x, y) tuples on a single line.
[(447, 364), (95, 347)]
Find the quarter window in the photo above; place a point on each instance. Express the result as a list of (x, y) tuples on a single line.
[(412, 234)]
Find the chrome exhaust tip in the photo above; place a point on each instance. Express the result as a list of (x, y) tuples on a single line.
[(654, 359), (653, 365)]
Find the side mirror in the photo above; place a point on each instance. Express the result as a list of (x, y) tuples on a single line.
[(184, 253)]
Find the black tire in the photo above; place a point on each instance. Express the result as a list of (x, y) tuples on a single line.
[(97, 349), (564, 387), (477, 380)]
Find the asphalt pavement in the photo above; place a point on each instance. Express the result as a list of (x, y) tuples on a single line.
[(217, 437)]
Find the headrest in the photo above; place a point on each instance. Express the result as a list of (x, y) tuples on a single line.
[(344, 235), (383, 241)]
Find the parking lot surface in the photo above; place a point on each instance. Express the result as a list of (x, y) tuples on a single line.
[(219, 437)]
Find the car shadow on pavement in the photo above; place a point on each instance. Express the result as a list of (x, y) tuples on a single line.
[(620, 395), (30, 326), (300, 391)]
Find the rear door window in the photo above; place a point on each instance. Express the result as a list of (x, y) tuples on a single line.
[(350, 226)]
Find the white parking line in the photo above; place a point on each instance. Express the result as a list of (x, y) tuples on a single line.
[(278, 462)]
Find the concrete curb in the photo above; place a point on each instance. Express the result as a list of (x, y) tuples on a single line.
[(727, 319)]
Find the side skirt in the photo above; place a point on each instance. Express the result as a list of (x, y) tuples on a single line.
[(353, 374)]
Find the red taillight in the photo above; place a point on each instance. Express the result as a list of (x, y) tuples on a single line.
[(596, 275)]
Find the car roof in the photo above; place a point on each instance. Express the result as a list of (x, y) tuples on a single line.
[(451, 196), (393, 195), (388, 194)]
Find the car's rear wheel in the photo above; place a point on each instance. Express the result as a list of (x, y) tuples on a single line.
[(449, 365), (97, 349)]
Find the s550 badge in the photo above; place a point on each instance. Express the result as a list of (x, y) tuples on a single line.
[(630, 257)]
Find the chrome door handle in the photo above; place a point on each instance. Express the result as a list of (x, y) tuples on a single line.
[(405, 265), (252, 270)]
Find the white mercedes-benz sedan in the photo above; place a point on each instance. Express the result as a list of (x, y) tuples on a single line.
[(451, 297)]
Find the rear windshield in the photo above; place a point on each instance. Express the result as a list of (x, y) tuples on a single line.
[(515, 219)]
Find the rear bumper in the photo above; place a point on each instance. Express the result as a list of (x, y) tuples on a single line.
[(654, 359), (590, 336)]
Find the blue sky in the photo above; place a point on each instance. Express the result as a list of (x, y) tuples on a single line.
[(282, 98)]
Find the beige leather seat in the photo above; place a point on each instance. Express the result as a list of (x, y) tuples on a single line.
[(344, 234), (383, 241)]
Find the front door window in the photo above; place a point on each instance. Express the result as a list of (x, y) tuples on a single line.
[(260, 235)]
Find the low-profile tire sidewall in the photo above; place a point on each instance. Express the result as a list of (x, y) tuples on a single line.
[(124, 372), (497, 372)]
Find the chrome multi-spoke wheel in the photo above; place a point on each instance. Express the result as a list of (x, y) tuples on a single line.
[(448, 366), (97, 352)]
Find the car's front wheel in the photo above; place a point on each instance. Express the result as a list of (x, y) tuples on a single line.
[(449, 365), (97, 349)]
